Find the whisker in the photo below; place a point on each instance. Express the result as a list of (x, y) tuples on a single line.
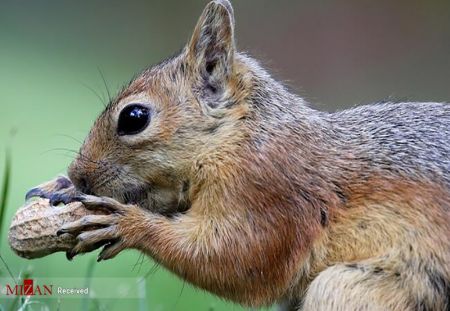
[(86, 158), (181, 292), (77, 152), (71, 137), (139, 262), (68, 156), (101, 99), (59, 149), (142, 263), (105, 84), (152, 270)]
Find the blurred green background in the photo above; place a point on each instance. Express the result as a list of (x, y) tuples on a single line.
[(336, 54)]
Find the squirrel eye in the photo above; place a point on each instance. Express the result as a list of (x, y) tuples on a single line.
[(133, 119)]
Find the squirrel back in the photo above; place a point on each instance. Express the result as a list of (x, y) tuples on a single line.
[(406, 138)]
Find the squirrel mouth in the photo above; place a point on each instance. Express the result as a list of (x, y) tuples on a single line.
[(155, 199)]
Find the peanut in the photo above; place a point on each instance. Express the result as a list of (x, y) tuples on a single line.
[(33, 229)]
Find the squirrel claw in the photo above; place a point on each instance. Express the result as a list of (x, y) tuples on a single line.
[(88, 222), (94, 202), (34, 192), (95, 231), (110, 251), (70, 255), (63, 196), (88, 241), (45, 190), (60, 232)]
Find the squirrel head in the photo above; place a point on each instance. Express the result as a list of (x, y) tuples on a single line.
[(149, 143)]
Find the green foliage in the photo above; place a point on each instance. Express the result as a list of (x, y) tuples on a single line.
[(5, 188)]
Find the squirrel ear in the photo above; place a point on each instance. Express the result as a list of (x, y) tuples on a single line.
[(212, 47)]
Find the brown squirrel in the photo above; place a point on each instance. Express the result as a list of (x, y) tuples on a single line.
[(217, 172)]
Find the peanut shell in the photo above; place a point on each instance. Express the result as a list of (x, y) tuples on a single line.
[(33, 229)]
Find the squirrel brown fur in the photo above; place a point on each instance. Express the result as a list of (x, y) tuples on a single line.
[(240, 188)]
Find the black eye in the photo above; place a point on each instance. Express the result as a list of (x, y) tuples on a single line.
[(133, 119)]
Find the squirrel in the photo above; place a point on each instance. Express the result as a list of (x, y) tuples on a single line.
[(215, 170)]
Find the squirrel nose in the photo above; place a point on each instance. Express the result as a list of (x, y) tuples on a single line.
[(83, 185), (81, 182)]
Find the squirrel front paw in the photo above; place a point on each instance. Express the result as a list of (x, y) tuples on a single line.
[(95, 231), (105, 229)]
